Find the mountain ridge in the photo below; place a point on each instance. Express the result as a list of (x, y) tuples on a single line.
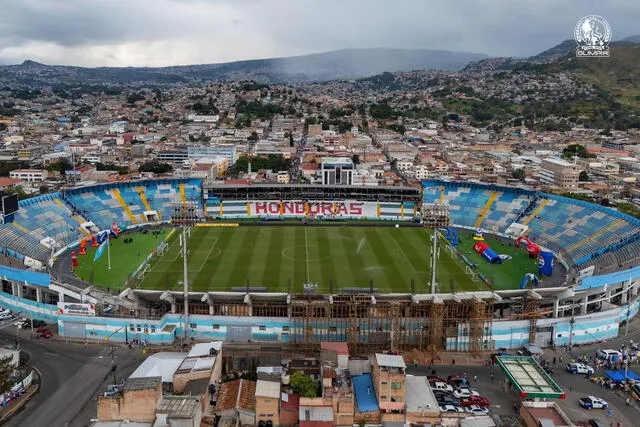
[(343, 64)]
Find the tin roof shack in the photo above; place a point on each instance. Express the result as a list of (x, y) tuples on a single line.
[(307, 366), (203, 361), (136, 401), (534, 412), (236, 401), (389, 381), (179, 411), (268, 398)]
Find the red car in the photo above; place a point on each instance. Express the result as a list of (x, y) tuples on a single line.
[(433, 378), (474, 400), (46, 334), (42, 329)]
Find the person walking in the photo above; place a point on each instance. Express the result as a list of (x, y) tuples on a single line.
[(627, 402), (475, 380), (492, 376)]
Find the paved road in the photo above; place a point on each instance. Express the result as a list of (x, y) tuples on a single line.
[(72, 377)]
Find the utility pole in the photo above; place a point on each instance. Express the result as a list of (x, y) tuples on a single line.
[(434, 260), (185, 282)]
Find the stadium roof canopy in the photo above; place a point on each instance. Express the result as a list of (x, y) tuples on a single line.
[(528, 377)]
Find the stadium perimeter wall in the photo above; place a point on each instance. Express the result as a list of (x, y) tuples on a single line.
[(512, 334)]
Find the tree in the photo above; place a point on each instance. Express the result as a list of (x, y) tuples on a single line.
[(583, 177), (519, 174), (356, 159), (61, 166), (574, 150), (155, 167), (44, 189), (6, 369), (304, 385)]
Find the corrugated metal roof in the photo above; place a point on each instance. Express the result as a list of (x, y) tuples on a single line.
[(390, 360)]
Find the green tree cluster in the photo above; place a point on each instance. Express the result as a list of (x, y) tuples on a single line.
[(578, 150), (155, 167), (61, 166), (272, 162), (304, 385)]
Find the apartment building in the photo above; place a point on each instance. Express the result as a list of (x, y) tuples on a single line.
[(559, 172), (337, 171), (389, 381), (29, 175)]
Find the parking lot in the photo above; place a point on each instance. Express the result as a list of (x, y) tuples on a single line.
[(503, 398)]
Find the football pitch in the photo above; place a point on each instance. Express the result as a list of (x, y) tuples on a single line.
[(284, 258)]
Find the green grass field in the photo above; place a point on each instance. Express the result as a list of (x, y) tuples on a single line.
[(125, 258), (283, 258)]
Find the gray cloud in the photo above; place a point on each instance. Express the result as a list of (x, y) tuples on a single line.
[(164, 32)]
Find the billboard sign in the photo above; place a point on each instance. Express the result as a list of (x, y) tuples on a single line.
[(76, 309)]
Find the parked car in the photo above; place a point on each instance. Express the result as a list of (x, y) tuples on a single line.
[(36, 324), (6, 315), (435, 378), (477, 410), (451, 408), (595, 423), (612, 355), (579, 368), (448, 401), (465, 392), (458, 382), (591, 402), (474, 400), (46, 334), (441, 386)]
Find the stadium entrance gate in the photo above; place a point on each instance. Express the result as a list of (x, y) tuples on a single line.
[(74, 330), (239, 333), (544, 336)]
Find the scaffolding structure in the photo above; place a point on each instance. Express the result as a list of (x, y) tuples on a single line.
[(435, 215), (377, 322)]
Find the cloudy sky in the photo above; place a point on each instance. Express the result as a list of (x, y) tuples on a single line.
[(168, 32)]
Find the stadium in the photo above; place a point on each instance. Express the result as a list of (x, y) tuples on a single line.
[(444, 267)]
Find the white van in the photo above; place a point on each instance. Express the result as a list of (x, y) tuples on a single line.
[(441, 386)]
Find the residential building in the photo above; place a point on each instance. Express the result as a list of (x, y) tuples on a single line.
[(227, 151), (559, 172), (172, 156), (196, 118), (315, 412), (29, 175), (337, 171), (421, 404), (268, 398), (179, 411), (389, 381), (118, 127), (237, 402), (136, 401), (283, 177)]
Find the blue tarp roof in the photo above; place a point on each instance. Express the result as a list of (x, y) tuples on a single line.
[(609, 279), (30, 277), (365, 393), (619, 375)]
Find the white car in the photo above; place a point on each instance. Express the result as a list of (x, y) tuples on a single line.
[(579, 368), (450, 408), (477, 410), (441, 386), (613, 355), (6, 316), (465, 392), (591, 402)]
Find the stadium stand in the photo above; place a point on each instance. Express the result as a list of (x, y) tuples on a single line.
[(583, 233), (125, 203)]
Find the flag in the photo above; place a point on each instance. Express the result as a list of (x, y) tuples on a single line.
[(100, 250)]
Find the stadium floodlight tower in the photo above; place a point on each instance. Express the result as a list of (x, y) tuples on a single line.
[(185, 214), (435, 216)]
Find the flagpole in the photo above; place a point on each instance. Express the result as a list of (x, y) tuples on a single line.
[(108, 251)]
